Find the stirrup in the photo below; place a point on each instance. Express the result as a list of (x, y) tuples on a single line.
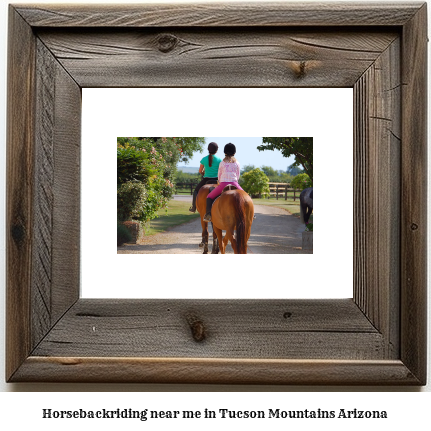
[(207, 217)]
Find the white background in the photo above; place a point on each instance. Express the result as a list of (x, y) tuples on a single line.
[(324, 114), (408, 410)]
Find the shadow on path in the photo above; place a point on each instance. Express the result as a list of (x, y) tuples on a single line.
[(274, 231)]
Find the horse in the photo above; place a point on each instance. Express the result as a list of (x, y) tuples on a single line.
[(201, 206), (233, 211), (306, 204)]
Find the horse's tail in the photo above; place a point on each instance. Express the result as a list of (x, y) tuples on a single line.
[(240, 215), (304, 204)]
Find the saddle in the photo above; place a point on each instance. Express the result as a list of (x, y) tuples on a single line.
[(228, 187)]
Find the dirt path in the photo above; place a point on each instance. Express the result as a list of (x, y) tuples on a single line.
[(274, 231)]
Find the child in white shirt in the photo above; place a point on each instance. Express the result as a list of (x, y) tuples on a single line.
[(228, 173)]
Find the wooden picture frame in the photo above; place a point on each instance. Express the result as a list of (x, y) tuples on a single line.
[(376, 338)]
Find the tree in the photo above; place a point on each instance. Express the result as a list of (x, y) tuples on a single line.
[(188, 146), (284, 178), (269, 171), (182, 147), (255, 183), (301, 182), (185, 177), (294, 170), (301, 148), (247, 168)]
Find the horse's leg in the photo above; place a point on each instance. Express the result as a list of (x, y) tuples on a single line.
[(219, 234), (204, 242), (248, 230), (230, 236), (307, 214), (205, 239), (225, 241), (215, 248)]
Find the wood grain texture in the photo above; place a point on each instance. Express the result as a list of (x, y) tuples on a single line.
[(210, 57), (55, 278), (234, 329), (44, 196), (220, 15), (19, 197), (215, 371), (377, 100), (414, 195), (43, 191), (67, 199), (378, 338)]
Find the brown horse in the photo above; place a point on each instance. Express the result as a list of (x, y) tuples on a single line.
[(233, 211), (201, 206)]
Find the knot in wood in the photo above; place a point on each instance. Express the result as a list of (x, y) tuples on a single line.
[(18, 233), (167, 42), (414, 226), (300, 69), (197, 328)]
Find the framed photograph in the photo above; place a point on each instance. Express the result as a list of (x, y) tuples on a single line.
[(377, 337), (230, 111)]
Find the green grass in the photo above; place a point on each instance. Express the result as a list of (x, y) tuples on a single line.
[(289, 205), (176, 213), (183, 191)]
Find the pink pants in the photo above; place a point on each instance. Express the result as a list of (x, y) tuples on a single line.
[(217, 191)]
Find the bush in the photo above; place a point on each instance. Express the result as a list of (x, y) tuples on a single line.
[(131, 199), (255, 183), (144, 177), (301, 182), (123, 234), (133, 165), (146, 171)]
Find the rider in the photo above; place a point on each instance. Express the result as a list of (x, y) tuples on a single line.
[(228, 173), (209, 168)]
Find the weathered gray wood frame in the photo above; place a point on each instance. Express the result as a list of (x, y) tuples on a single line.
[(378, 337)]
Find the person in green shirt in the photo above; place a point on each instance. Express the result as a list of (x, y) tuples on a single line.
[(209, 169)]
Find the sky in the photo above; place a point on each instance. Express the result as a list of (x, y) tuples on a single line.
[(246, 153)]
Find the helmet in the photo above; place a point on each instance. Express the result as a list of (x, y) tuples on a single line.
[(229, 149), (212, 147)]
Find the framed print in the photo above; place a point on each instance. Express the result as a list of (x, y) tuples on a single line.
[(236, 110), (376, 337)]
